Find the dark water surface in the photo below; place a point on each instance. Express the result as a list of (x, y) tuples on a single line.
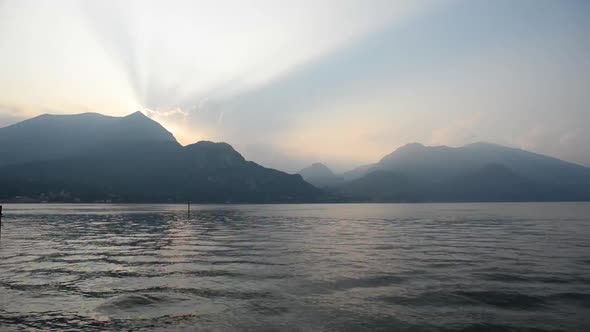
[(390, 267)]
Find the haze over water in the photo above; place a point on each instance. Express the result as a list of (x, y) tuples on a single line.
[(395, 267)]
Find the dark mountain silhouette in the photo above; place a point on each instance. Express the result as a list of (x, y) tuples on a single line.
[(443, 161), (380, 186), (492, 182), (356, 173), (475, 172), (319, 175), (91, 157), (51, 137)]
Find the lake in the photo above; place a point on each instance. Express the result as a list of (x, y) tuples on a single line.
[(349, 267)]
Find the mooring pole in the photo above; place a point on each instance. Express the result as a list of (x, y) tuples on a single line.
[(188, 207), (0, 221)]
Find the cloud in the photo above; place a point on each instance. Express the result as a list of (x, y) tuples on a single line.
[(287, 83), (56, 63), (176, 53)]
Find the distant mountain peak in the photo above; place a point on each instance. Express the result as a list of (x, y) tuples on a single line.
[(208, 145), (138, 117), (137, 114), (410, 147), (405, 151), (319, 175), (213, 154), (316, 170), (414, 145)]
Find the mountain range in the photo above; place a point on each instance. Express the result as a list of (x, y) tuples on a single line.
[(320, 175), (474, 172), (91, 157)]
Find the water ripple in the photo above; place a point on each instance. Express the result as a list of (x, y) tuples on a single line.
[(371, 267)]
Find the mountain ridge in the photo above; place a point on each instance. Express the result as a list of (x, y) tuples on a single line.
[(51, 137), (319, 175), (419, 148), (141, 163), (442, 173), (91, 157)]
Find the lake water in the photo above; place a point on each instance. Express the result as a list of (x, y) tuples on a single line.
[(357, 267)]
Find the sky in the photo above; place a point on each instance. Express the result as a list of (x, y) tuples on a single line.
[(288, 83)]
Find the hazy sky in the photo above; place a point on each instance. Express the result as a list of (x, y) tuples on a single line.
[(292, 82)]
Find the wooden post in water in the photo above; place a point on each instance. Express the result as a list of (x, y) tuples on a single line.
[(188, 207), (0, 221)]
